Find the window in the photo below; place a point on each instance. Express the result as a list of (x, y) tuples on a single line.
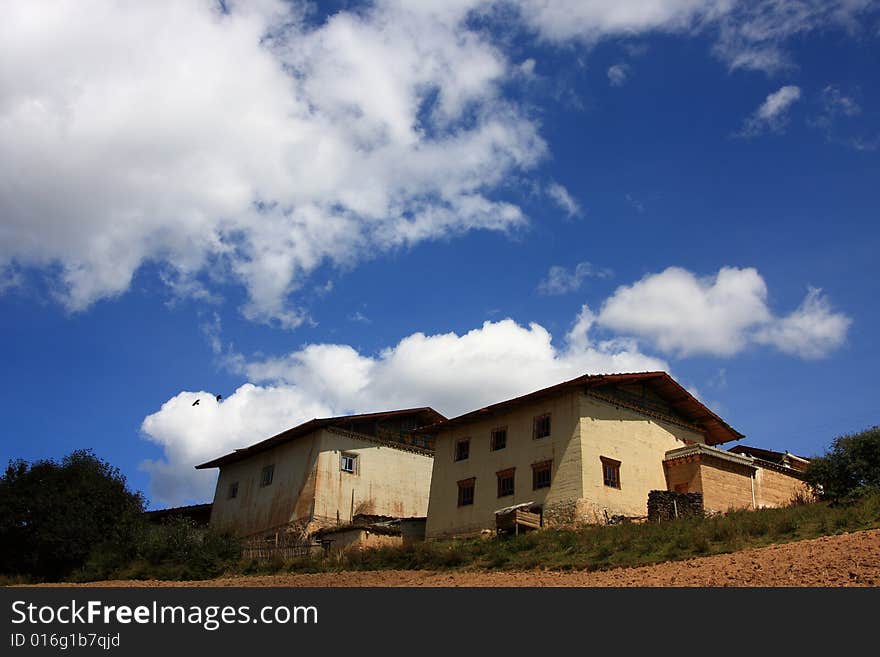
[(541, 475), (610, 472), (233, 490), (499, 439), (462, 449), (541, 426), (348, 463), (466, 491), (267, 474), (505, 482)]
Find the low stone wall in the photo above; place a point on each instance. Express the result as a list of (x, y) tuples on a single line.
[(668, 505)]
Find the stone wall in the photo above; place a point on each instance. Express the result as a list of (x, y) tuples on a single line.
[(668, 505)]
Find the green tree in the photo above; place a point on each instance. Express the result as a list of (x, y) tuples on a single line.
[(54, 515), (850, 469)]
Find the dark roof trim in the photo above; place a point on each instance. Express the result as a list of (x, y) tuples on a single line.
[(308, 427), (689, 407)]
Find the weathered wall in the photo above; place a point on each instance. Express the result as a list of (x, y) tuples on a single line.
[(684, 476), (361, 539), (288, 498), (446, 518), (725, 486), (774, 488), (388, 481), (640, 444)]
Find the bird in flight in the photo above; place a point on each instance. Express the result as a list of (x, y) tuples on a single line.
[(196, 402)]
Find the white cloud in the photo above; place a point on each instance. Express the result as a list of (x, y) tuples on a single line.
[(171, 132), (753, 35), (811, 331), (771, 115), (560, 280), (748, 34), (836, 103), (563, 199), (721, 315), (618, 74), (189, 435), (256, 145), (452, 373), (592, 21)]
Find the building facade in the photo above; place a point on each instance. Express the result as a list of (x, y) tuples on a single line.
[(581, 451), (325, 472)]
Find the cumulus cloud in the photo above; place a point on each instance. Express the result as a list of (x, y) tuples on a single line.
[(560, 195), (721, 315), (560, 280), (618, 74), (811, 331), (250, 144), (772, 114), (450, 372)]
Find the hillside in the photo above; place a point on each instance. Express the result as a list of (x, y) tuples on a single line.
[(851, 559)]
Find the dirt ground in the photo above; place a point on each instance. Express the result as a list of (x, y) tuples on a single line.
[(844, 560)]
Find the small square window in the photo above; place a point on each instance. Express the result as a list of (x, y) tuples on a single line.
[(233, 490), (541, 474), (267, 474), (505, 482), (462, 449), (466, 492), (541, 426), (498, 439), (348, 463), (610, 472)]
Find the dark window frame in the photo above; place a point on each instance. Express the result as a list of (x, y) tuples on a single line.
[(539, 431), (466, 498), (267, 475), (354, 462), (459, 443), (538, 471), (610, 472), (493, 439), (506, 482)]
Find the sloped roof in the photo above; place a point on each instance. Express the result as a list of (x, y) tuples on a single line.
[(679, 399), (312, 425)]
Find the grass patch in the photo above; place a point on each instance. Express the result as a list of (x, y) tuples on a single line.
[(602, 547), (179, 552)]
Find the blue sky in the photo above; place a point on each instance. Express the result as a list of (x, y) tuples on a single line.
[(381, 205)]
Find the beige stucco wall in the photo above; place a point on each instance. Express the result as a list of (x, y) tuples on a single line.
[(287, 498), (446, 518), (583, 429), (685, 473), (308, 485), (774, 488), (725, 486), (388, 481), (639, 442)]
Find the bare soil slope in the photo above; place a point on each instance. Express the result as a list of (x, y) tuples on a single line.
[(844, 560)]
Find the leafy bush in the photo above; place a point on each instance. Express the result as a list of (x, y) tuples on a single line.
[(54, 515), (849, 470)]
